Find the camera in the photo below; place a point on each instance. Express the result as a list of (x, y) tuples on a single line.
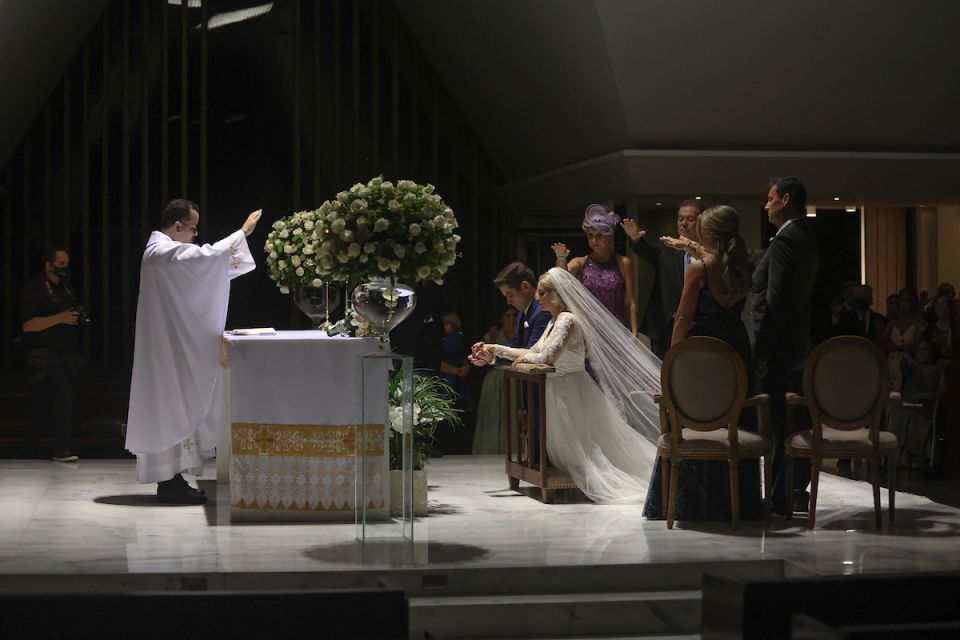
[(83, 319)]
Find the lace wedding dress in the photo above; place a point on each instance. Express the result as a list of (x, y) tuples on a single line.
[(587, 436)]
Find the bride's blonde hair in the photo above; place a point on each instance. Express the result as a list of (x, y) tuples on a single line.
[(546, 283)]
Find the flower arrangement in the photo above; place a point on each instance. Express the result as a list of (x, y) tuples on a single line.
[(433, 404), (402, 232)]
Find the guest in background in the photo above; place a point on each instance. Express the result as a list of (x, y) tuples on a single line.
[(669, 258), (857, 318), (454, 366), (923, 386), (943, 289), (945, 333), (893, 307), (489, 435), (902, 335), (607, 275)]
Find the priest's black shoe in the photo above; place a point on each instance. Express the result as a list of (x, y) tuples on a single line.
[(178, 491)]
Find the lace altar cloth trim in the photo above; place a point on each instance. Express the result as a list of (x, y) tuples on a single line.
[(304, 467), (306, 440)]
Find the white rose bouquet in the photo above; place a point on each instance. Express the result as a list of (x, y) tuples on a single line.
[(402, 232)]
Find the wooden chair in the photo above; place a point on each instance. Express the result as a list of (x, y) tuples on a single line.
[(846, 380), (704, 388)]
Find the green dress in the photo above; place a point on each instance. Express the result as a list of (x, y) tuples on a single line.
[(488, 438)]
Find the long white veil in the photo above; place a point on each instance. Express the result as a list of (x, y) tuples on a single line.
[(628, 372)]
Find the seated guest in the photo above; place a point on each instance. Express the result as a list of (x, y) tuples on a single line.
[(902, 335), (606, 274), (893, 307), (943, 289), (454, 357), (923, 385), (488, 437)]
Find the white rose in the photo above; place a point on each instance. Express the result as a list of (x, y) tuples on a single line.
[(428, 189), (338, 225), (343, 196), (317, 282), (363, 258), (343, 258), (428, 225), (394, 264), (273, 255), (382, 224), (354, 250), (420, 247), (295, 261), (347, 236), (423, 271), (369, 247), (308, 225), (284, 234), (282, 264), (300, 271), (358, 205), (278, 225), (324, 208), (414, 229), (356, 188), (399, 250), (387, 188), (375, 182), (288, 248), (298, 231), (410, 198), (456, 238), (406, 185), (364, 193), (383, 264), (284, 290), (309, 249), (393, 205)]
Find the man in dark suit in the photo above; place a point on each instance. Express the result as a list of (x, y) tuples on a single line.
[(669, 260), (782, 293), (518, 284), (860, 319)]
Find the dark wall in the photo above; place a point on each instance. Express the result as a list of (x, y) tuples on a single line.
[(277, 112)]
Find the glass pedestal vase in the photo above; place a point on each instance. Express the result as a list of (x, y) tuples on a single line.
[(317, 303), (383, 304), (373, 436)]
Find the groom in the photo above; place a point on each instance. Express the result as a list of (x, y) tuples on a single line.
[(782, 290), (518, 284)]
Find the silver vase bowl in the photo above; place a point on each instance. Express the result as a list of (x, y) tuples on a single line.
[(317, 302), (383, 304)]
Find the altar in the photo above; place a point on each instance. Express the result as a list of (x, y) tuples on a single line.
[(295, 402)]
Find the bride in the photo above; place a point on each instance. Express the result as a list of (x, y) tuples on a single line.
[(603, 436)]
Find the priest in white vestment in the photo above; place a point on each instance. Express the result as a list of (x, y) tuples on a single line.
[(176, 416)]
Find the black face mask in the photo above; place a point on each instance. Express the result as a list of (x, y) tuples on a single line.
[(62, 272)]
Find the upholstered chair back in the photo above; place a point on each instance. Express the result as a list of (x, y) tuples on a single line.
[(704, 384)]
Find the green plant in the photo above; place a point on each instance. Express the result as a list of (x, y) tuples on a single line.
[(433, 404)]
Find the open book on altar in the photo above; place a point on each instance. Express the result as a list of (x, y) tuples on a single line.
[(257, 331)]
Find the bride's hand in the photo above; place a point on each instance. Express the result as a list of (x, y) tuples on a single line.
[(519, 360)]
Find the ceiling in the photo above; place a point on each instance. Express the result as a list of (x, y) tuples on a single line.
[(596, 100), (586, 100)]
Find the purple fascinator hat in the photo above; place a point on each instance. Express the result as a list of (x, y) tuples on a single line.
[(600, 219)]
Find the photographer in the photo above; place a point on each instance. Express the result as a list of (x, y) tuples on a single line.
[(51, 318)]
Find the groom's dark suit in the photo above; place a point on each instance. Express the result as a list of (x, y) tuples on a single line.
[(782, 292), (667, 263)]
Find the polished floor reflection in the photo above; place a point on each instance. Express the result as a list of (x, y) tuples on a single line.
[(93, 517)]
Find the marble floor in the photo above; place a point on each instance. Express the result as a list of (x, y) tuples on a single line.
[(93, 518)]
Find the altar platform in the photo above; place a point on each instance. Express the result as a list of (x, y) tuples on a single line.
[(91, 526)]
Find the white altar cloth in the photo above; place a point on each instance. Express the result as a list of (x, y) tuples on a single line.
[(293, 401)]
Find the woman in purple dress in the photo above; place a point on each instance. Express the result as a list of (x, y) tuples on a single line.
[(607, 275)]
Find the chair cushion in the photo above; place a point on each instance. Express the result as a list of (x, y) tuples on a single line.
[(716, 442), (843, 443)]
